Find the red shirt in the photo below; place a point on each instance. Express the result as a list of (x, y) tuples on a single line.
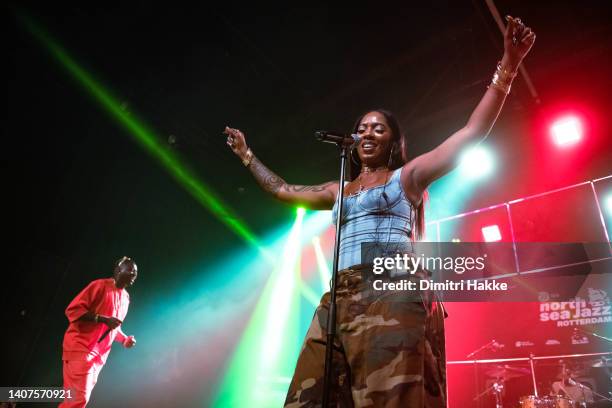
[(81, 339)]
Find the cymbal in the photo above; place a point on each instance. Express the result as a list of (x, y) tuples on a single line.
[(601, 362), (506, 372)]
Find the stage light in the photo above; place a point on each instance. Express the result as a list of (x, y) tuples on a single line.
[(324, 272), (476, 162), (608, 204), (491, 233), (257, 375), (566, 131), (263, 351)]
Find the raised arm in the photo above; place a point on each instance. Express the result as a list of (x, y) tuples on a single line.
[(319, 197), (423, 170)]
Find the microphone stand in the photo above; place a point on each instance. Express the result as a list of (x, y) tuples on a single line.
[(331, 314), (481, 348), (476, 373)]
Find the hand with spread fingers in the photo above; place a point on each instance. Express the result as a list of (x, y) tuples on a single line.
[(518, 40)]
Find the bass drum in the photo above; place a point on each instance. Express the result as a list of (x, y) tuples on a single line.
[(549, 401)]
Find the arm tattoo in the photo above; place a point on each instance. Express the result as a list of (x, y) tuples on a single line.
[(316, 189), (272, 183), (269, 181)]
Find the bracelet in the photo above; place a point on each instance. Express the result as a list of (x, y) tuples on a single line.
[(248, 159), (502, 79)]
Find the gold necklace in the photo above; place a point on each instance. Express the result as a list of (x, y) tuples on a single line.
[(366, 169)]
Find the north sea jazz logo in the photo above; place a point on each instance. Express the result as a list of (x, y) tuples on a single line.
[(578, 312)]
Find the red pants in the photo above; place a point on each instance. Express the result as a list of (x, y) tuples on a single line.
[(80, 377)]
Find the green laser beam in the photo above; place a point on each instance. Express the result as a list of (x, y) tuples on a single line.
[(144, 135), (257, 374), (324, 273)]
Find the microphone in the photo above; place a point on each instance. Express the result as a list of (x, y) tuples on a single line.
[(497, 346), (492, 345), (329, 136), (104, 334)]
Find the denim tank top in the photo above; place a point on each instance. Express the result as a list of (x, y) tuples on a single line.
[(382, 214)]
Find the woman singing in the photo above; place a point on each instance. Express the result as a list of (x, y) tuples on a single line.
[(389, 350)]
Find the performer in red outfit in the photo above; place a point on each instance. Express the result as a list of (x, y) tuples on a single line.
[(95, 316)]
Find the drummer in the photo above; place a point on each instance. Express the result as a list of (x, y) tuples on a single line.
[(567, 386)]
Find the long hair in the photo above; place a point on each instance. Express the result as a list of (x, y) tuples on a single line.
[(397, 158)]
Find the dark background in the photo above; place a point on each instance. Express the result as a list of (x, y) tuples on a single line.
[(79, 192)]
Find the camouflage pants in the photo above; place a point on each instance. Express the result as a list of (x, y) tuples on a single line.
[(388, 350)]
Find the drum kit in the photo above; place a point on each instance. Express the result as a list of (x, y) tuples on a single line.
[(568, 390), (549, 401)]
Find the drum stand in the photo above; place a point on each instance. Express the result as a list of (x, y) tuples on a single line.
[(496, 388), (533, 376)]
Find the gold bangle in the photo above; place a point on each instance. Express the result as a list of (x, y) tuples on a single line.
[(503, 88), (502, 79), (248, 159)]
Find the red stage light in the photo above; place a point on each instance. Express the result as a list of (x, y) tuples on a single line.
[(566, 131), (491, 233)]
